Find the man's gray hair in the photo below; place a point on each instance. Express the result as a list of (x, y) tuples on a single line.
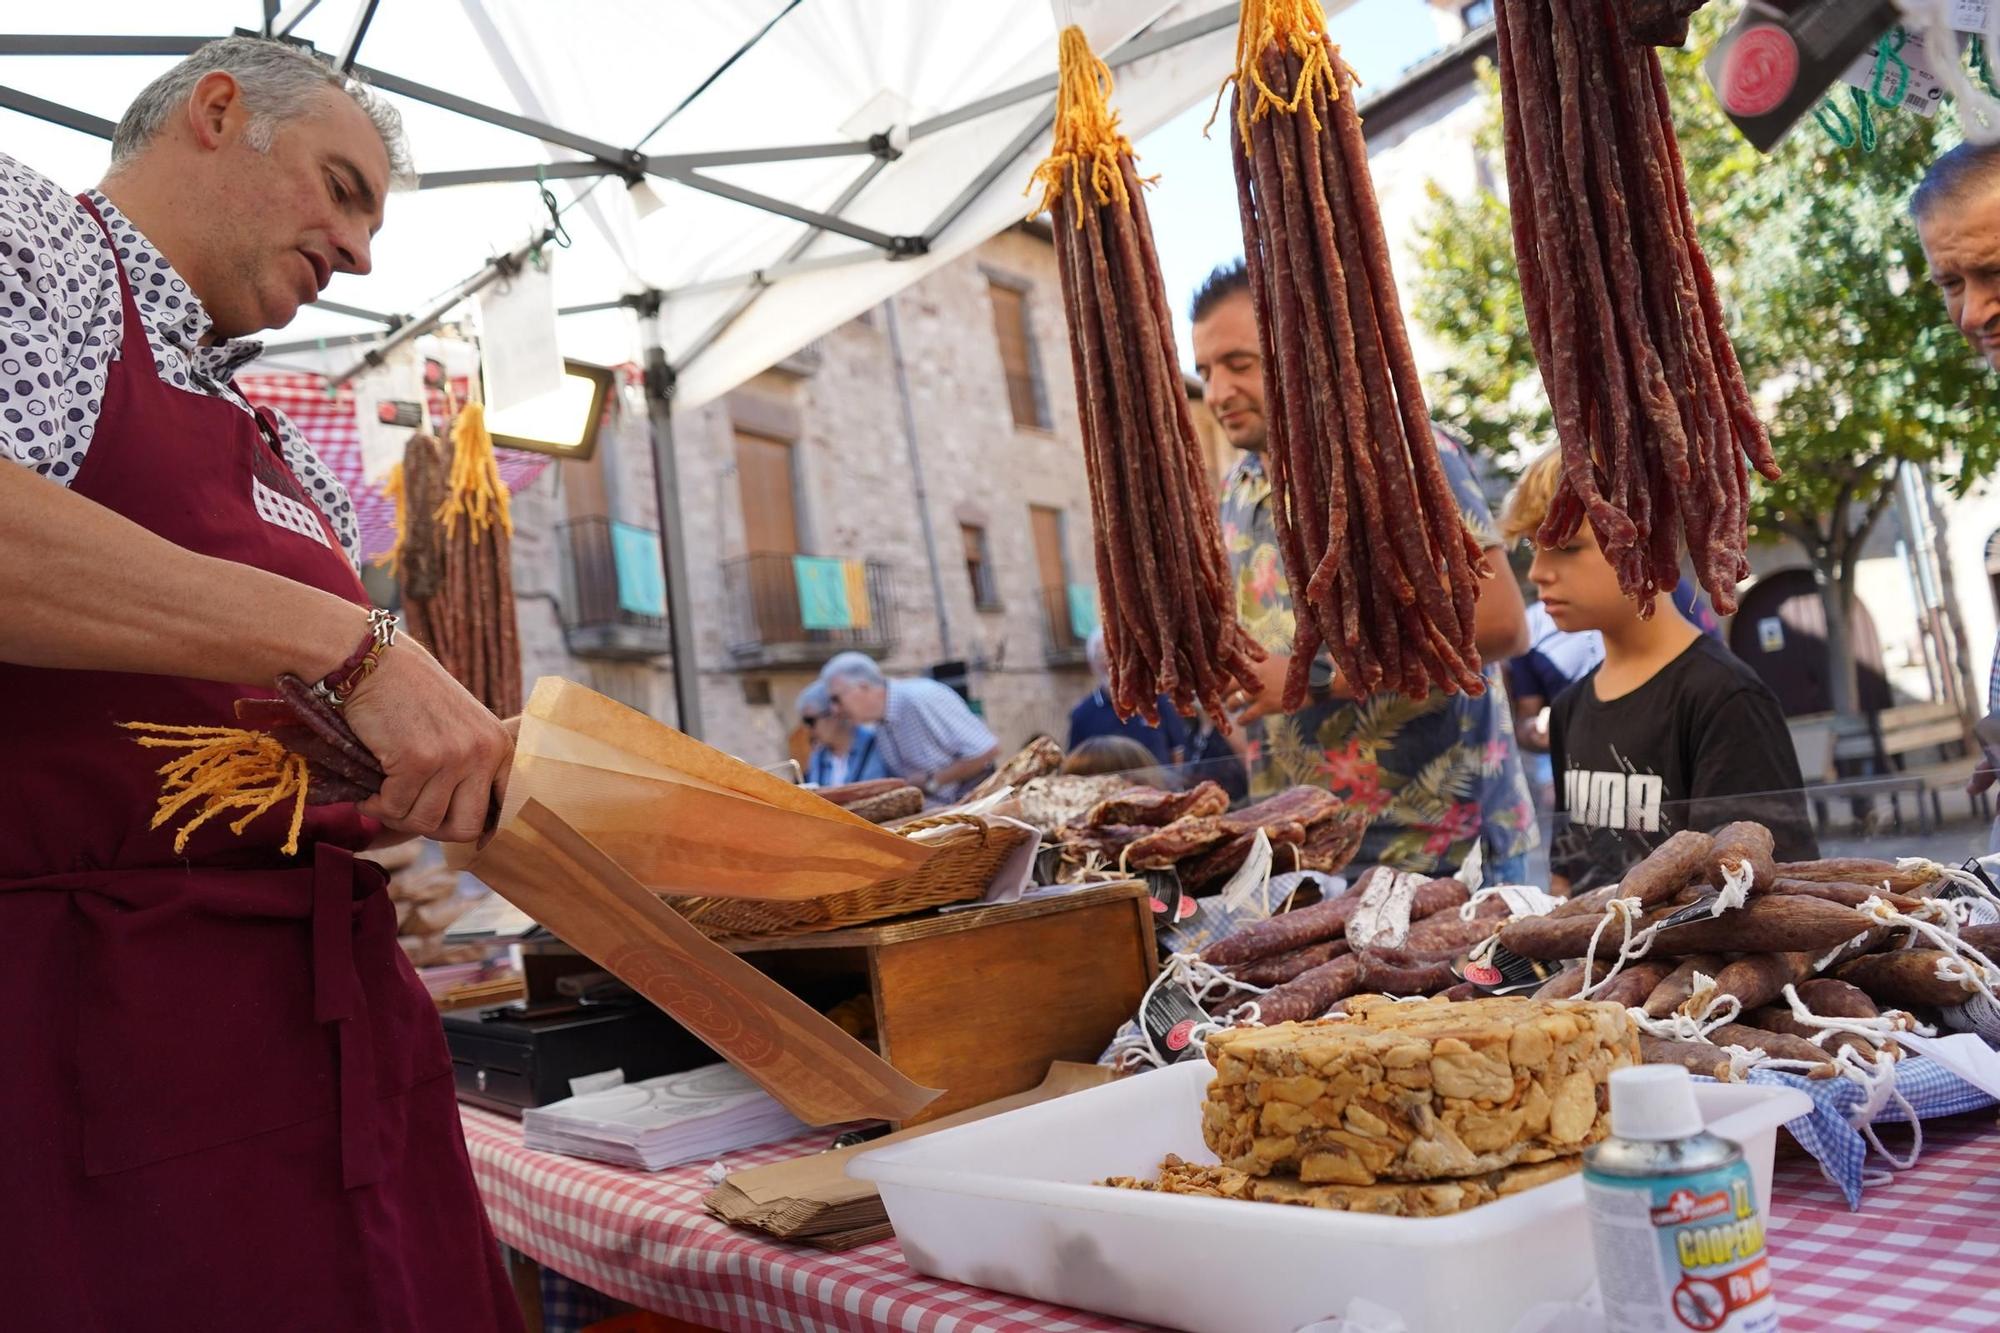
[(854, 668), (279, 81)]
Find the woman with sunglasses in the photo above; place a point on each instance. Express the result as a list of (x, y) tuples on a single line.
[(841, 750)]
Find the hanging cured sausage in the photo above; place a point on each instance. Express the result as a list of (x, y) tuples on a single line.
[(1383, 571), (1170, 625), (1650, 405)]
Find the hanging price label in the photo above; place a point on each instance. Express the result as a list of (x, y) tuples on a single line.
[(1908, 74), (1968, 15)]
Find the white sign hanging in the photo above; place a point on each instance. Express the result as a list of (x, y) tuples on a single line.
[(1968, 15), (388, 409), (517, 337)]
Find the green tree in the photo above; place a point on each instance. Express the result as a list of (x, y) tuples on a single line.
[(1855, 366)]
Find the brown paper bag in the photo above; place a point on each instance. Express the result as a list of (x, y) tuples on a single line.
[(684, 818), (551, 871)]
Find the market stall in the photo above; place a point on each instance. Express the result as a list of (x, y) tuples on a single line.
[(1357, 1089)]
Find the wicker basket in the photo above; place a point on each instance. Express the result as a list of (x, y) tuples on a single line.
[(960, 870)]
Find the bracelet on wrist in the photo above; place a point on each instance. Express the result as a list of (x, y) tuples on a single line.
[(338, 684)]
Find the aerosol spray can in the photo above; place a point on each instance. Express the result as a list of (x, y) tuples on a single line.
[(1674, 1216)]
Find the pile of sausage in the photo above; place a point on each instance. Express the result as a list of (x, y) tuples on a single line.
[(1146, 829), (1170, 625), (456, 565), (1799, 926), (1383, 570), (1650, 405), (1390, 933)]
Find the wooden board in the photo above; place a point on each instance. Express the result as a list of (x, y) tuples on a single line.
[(943, 923)]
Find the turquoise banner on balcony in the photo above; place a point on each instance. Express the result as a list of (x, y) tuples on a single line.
[(823, 600), (1082, 610), (642, 587)]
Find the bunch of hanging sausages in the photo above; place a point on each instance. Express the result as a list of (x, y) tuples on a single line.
[(1799, 925), (458, 583), (1654, 418), (1170, 625), (1383, 571)]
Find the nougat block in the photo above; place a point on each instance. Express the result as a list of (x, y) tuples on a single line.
[(1418, 1091)]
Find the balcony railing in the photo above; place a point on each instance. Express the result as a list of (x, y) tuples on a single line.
[(602, 615), (800, 610), (1061, 644)]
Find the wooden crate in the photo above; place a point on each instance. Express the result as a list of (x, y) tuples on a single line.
[(980, 1002)]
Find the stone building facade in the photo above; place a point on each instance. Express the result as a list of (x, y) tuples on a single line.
[(977, 563)]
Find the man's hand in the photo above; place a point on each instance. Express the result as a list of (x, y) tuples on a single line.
[(444, 756), (1983, 776), (1270, 695)]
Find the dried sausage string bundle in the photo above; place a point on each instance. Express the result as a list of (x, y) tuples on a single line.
[(1650, 405), (1383, 570), (1170, 625), (456, 561)]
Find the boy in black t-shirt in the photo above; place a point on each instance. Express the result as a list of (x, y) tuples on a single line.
[(1671, 731)]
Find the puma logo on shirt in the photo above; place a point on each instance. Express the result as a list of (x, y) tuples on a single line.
[(1629, 801)]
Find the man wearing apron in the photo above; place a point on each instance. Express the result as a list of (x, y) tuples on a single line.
[(225, 1102)]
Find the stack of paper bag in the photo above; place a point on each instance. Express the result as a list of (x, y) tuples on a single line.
[(607, 808), (812, 1200)]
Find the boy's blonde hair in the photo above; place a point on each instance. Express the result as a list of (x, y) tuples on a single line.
[(1529, 502)]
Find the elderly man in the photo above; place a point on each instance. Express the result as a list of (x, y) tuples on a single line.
[(926, 733), (1957, 212), (228, 1101), (1439, 775)]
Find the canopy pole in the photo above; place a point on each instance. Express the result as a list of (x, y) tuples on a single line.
[(917, 478), (667, 493)]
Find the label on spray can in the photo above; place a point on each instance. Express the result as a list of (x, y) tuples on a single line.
[(1681, 1252)]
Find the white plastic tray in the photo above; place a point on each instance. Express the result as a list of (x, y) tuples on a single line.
[(1007, 1203)]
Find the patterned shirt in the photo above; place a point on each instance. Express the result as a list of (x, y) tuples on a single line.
[(925, 727), (1435, 773), (62, 323)]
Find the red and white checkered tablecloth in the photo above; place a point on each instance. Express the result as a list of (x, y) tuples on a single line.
[(1922, 1254), (642, 1236)]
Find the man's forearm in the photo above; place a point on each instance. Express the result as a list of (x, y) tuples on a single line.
[(87, 589), (953, 774)]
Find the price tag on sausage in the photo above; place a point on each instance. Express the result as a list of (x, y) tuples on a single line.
[(1900, 68), (1968, 15), (1169, 1018)]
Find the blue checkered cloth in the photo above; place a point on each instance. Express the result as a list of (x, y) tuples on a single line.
[(1930, 1088)]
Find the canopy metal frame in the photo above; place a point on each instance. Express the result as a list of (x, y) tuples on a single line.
[(597, 160), (602, 159)]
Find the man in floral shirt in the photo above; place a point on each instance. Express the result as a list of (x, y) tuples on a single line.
[(1436, 774)]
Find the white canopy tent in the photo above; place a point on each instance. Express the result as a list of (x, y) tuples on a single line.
[(735, 178), (809, 157)]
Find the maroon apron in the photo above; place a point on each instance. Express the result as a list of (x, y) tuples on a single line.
[(225, 1101)]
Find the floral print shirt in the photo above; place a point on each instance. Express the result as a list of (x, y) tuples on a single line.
[(1435, 774)]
